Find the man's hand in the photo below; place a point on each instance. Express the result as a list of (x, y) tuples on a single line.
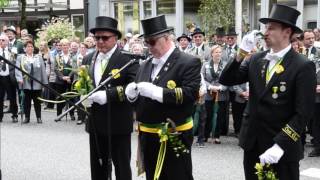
[(271, 155), (66, 78), (150, 90), (99, 97), (132, 91)]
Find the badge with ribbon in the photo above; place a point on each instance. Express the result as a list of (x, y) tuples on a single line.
[(283, 86)]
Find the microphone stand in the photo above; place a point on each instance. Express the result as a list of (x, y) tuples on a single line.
[(44, 85)]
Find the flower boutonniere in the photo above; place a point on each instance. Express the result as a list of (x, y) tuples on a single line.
[(265, 172), (171, 84), (279, 69), (115, 73)]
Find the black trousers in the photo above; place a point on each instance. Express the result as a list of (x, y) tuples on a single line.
[(174, 167), (32, 95), (237, 112), (316, 125), (120, 152), (51, 95), (284, 170), (62, 88), (6, 86)]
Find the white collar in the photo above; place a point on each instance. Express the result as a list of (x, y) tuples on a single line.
[(281, 53), (107, 54), (164, 58)]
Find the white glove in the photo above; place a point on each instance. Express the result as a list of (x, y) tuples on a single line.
[(99, 97), (132, 91), (249, 41), (271, 155), (87, 102), (150, 90)]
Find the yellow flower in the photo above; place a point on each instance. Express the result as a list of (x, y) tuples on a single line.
[(114, 72), (279, 69), (171, 84)]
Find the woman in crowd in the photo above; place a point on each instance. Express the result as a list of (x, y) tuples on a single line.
[(211, 71), (44, 52), (34, 65), (63, 69)]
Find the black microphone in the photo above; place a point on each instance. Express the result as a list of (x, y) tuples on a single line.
[(134, 56)]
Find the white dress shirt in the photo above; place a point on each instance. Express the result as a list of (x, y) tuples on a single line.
[(158, 63)]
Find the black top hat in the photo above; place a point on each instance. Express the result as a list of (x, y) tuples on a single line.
[(284, 15), (104, 23), (12, 29), (197, 31), (220, 31), (184, 36), (154, 26), (232, 32)]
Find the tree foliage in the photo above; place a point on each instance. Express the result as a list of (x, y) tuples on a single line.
[(216, 13), (4, 3)]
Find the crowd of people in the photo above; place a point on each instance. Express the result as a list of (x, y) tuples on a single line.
[(193, 82)]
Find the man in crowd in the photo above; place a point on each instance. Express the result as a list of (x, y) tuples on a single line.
[(7, 86), (200, 49), (282, 91), (165, 90), (113, 138)]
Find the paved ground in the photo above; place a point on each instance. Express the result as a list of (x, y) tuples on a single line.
[(60, 151)]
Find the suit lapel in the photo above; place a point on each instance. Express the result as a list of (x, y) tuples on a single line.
[(92, 64), (167, 66), (262, 69), (285, 63)]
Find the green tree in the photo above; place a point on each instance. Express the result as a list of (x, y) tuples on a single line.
[(216, 13), (22, 5)]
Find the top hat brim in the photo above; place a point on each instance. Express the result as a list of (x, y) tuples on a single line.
[(15, 32), (156, 33), (294, 27), (117, 32)]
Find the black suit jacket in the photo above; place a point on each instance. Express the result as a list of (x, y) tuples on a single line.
[(278, 120), (121, 110), (184, 71)]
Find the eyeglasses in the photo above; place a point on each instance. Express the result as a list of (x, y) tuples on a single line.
[(104, 38), (153, 41)]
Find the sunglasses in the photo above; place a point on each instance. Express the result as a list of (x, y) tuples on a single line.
[(104, 38), (153, 41)]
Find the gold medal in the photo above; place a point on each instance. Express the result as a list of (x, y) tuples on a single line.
[(275, 92)]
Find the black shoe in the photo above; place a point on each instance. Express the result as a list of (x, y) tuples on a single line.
[(73, 118), (39, 120), (79, 122), (57, 120), (314, 153), (14, 119), (26, 120)]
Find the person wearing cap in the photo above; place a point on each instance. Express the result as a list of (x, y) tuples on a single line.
[(105, 60), (282, 92), (164, 92), (183, 41), (14, 45), (200, 49)]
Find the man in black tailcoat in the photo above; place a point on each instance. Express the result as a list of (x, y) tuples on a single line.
[(282, 90), (166, 86), (103, 61)]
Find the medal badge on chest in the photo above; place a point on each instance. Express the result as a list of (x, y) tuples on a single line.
[(275, 92), (283, 87)]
